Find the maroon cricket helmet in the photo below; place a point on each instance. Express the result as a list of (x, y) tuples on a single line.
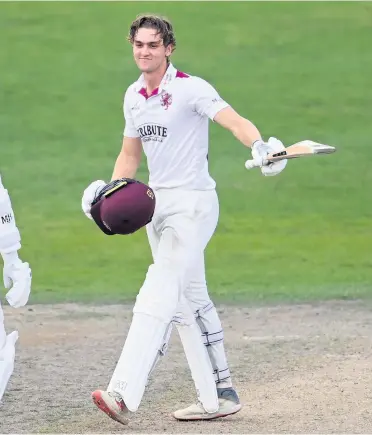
[(123, 207)]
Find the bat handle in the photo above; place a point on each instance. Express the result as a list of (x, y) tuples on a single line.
[(250, 164)]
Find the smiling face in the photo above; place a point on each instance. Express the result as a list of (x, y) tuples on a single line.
[(149, 51)]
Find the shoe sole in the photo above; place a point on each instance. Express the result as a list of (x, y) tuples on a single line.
[(101, 404), (206, 417)]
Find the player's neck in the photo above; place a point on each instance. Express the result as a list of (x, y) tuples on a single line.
[(154, 78)]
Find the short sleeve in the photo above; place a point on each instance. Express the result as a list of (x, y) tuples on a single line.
[(129, 129), (206, 100)]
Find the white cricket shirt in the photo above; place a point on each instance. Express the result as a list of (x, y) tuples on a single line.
[(173, 124)]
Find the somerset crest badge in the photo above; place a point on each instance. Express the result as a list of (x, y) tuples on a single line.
[(166, 100)]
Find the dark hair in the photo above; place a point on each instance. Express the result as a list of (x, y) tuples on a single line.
[(162, 26)]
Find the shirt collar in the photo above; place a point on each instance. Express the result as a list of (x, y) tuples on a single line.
[(169, 76)]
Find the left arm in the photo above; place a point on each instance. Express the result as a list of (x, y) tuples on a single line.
[(243, 129), (207, 102), (248, 134)]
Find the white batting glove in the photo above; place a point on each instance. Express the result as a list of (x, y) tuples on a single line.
[(276, 168), (260, 150), (17, 277), (90, 194)]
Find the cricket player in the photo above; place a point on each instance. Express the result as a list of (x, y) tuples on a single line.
[(17, 278), (167, 114)]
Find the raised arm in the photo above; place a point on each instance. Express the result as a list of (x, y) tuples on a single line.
[(243, 129), (207, 102)]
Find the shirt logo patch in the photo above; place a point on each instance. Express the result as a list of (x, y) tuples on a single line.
[(166, 100)]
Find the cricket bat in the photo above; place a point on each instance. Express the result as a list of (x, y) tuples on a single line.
[(299, 149)]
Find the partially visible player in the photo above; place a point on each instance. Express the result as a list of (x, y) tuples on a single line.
[(17, 278)]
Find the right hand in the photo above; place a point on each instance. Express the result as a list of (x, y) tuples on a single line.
[(17, 278), (260, 150), (90, 194)]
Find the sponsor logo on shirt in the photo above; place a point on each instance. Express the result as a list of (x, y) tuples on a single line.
[(152, 132)]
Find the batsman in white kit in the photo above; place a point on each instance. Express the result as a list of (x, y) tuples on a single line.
[(167, 113), (17, 278)]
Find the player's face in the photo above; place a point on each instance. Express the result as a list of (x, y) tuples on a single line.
[(149, 51)]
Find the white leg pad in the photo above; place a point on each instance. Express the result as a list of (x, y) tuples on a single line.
[(163, 348), (197, 358), (212, 334), (155, 307), (144, 340), (7, 356)]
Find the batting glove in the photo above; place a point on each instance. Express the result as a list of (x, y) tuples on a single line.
[(90, 194), (261, 149), (276, 168), (17, 277)]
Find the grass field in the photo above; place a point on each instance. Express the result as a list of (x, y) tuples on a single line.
[(297, 70)]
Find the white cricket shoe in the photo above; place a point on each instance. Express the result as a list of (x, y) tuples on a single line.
[(112, 404), (228, 401)]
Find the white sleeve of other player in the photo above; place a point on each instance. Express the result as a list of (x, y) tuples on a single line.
[(206, 100), (10, 238), (129, 129)]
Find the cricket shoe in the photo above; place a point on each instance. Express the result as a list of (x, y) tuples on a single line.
[(112, 404), (229, 404)]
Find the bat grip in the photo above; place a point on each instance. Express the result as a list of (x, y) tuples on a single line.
[(250, 164)]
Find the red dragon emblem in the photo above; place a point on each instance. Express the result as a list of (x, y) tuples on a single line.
[(166, 100)]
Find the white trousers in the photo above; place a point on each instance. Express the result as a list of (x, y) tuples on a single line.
[(192, 214)]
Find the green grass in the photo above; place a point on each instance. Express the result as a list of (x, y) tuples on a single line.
[(297, 70)]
